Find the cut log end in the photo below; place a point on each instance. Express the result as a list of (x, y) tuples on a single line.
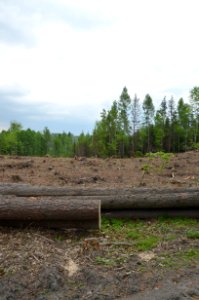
[(57, 212), (81, 208)]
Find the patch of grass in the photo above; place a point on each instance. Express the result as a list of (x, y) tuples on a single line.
[(181, 258), (147, 235), (148, 243), (191, 254), (167, 261), (193, 234), (105, 223), (133, 235), (178, 221), (117, 224), (137, 224), (105, 261)]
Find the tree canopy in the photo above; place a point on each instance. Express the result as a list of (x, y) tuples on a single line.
[(128, 128)]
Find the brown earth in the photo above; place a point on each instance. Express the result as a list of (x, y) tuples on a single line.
[(180, 170), (49, 264)]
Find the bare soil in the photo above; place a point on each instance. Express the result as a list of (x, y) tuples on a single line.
[(46, 264)]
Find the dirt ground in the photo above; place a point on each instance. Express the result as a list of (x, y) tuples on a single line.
[(47, 264), (178, 170)]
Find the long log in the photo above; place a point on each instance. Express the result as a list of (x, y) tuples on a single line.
[(149, 201), (122, 202), (52, 211), (114, 199), (36, 190), (150, 214)]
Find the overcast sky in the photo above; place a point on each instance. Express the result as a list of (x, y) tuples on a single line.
[(63, 61)]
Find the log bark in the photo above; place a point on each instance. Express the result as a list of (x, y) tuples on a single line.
[(114, 199), (150, 201), (35, 190), (150, 214), (52, 211)]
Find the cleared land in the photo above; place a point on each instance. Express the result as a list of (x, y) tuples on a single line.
[(153, 259)]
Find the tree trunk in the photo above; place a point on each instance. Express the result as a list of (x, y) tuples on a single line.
[(36, 190), (150, 201), (114, 199), (147, 213), (50, 211)]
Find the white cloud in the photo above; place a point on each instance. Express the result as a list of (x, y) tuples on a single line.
[(76, 56)]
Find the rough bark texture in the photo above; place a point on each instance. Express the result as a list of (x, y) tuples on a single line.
[(34, 190), (59, 211), (114, 199), (150, 200), (80, 208), (147, 214)]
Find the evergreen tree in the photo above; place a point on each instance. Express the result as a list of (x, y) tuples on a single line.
[(184, 112), (124, 106), (135, 112), (172, 124), (47, 140), (194, 99), (160, 123), (113, 129), (149, 111)]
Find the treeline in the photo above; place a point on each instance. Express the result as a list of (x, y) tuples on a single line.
[(16, 141), (128, 128)]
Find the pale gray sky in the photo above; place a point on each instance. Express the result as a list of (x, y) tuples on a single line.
[(63, 61)]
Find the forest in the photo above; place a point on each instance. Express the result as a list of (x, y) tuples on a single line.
[(129, 128)]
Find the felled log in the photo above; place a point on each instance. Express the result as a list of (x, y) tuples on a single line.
[(53, 212), (150, 214), (19, 189), (150, 201), (114, 199)]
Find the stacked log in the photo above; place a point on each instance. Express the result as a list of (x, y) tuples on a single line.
[(51, 212), (80, 208)]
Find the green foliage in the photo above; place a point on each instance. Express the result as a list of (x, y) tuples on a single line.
[(15, 126), (193, 234), (164, 158), (133, 235), (117, 224), (195, 146), (122, 131), (180, 258), (147, 243), (190, 254), (16, 141), (83, 145), (194, 98), (138, 154), (146, 168)]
